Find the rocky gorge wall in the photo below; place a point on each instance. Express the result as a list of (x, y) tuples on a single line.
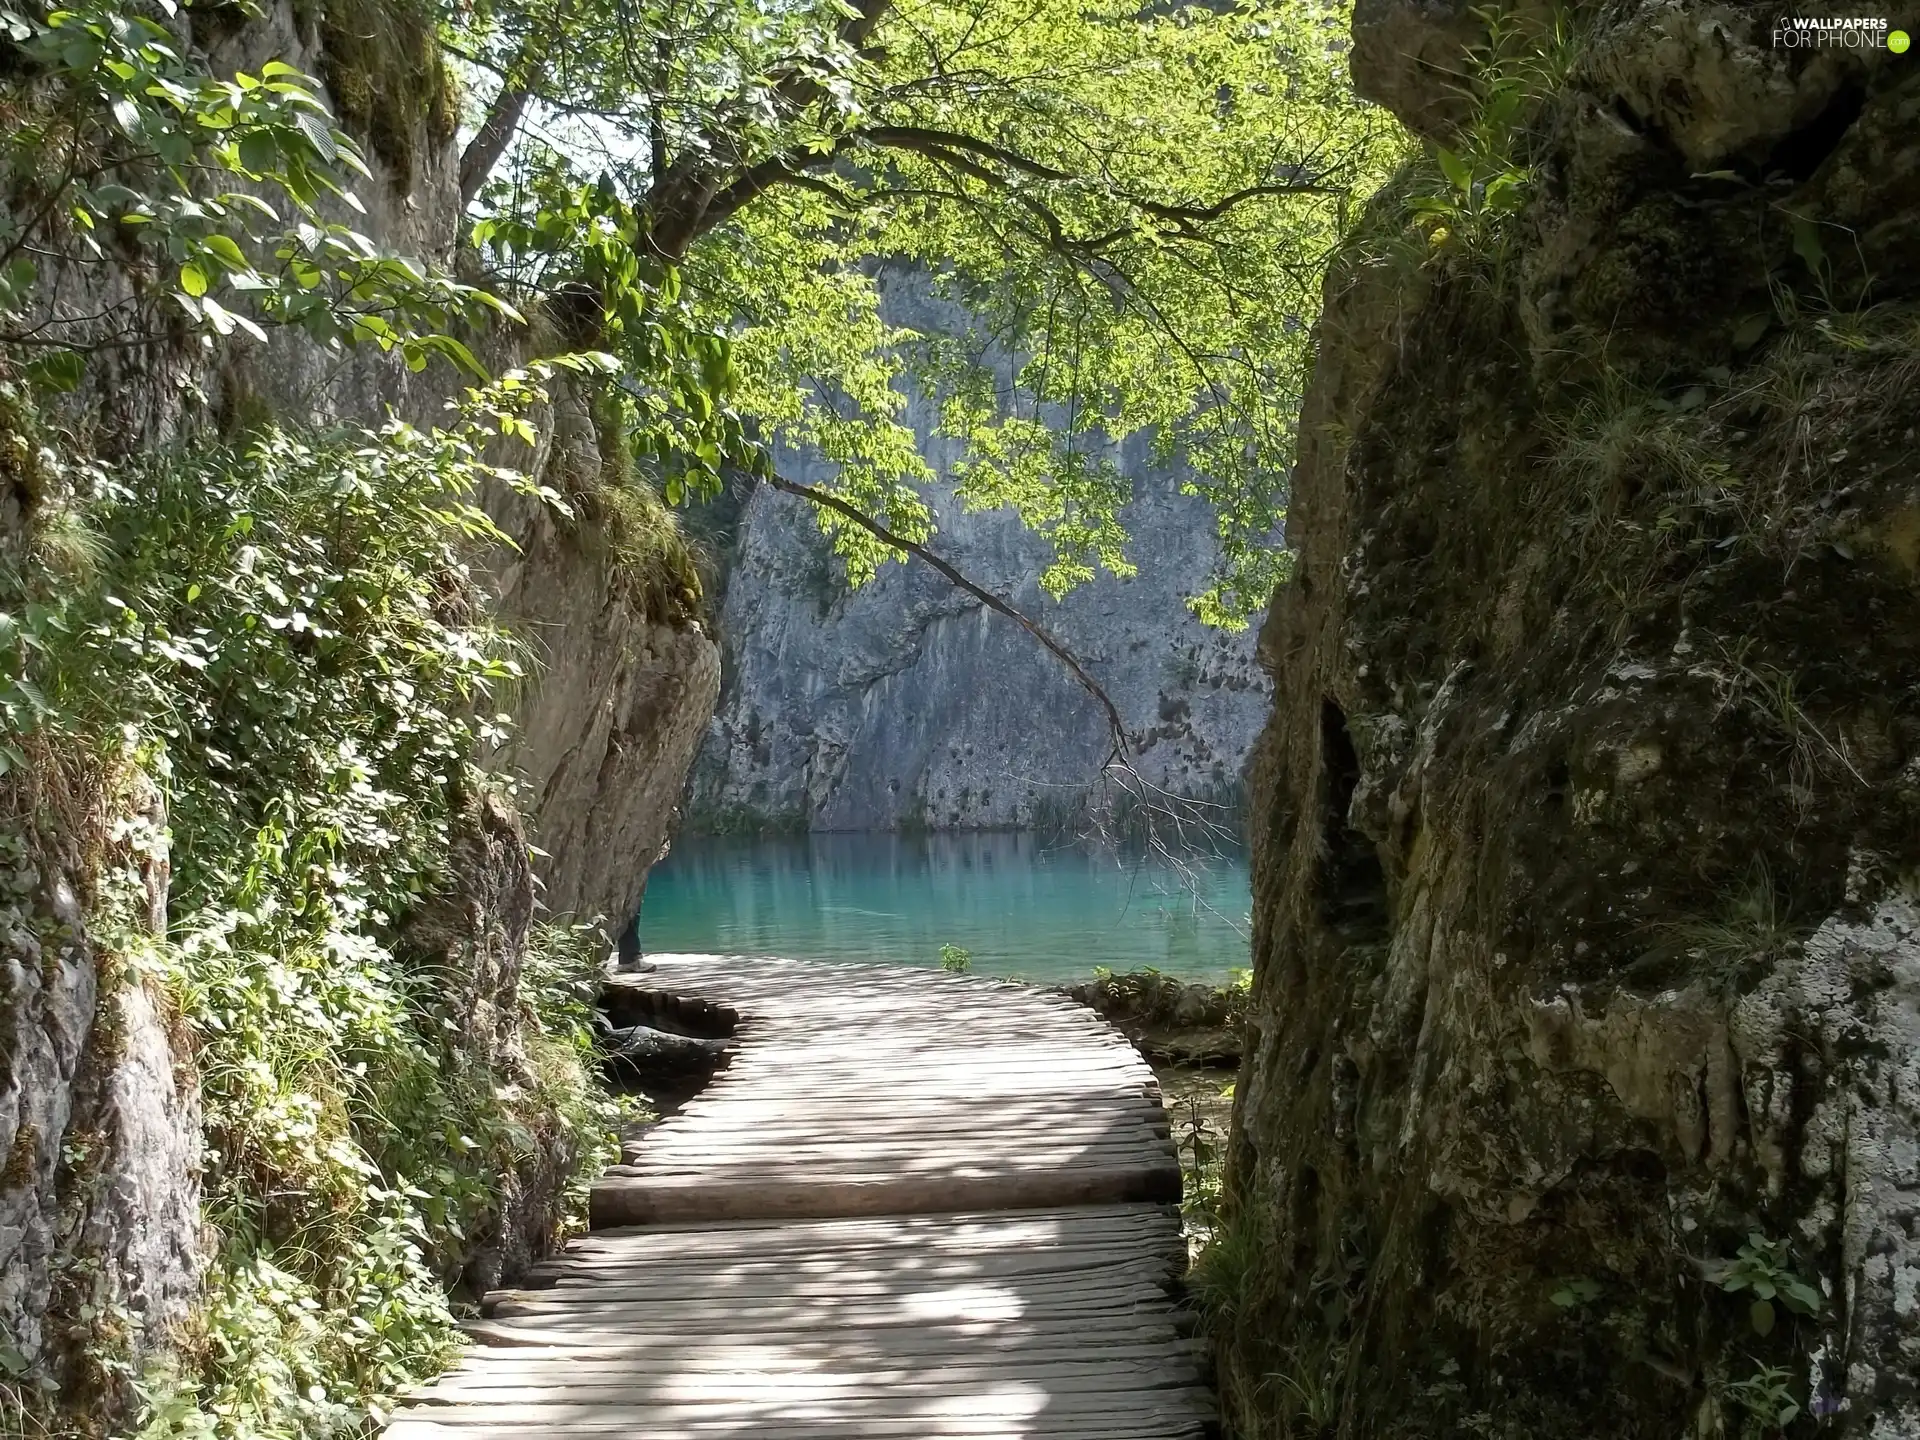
[(99, 1116), (1586, 1005), (908, 704)]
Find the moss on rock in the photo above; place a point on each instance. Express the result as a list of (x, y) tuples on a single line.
[(383, 66)]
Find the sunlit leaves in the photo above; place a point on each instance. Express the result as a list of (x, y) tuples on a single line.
[(570, 244), (231, 184), (292, 640)]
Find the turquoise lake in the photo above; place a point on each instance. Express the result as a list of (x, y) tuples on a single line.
[(1024, 906)]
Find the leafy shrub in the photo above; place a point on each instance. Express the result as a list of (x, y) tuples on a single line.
[(1760, 1269), (1487, 175), (290, 640)]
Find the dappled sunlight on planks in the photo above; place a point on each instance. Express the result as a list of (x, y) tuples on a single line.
[(855, 1234)]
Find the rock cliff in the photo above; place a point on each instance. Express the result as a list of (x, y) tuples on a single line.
[(101, 1241), (906, 703), (604, 733), (1586, 1008), (100, 1195)]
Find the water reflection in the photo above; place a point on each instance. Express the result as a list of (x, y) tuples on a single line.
[(1022, 905)]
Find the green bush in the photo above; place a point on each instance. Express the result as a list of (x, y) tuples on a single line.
[(290, 641)]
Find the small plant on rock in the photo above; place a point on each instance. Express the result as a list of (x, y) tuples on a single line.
[(1221, 1280), (1760, 1269), (955, 960), (1487, 174), (1767, 1398)]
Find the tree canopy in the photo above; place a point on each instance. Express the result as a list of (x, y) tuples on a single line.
[(1131, 206), (1125, 211)]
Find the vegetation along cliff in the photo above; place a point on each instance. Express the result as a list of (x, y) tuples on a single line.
[(292, 1035), (1582, 1094)]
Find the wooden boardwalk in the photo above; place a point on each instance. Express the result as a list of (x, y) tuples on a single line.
[(912, 1205)]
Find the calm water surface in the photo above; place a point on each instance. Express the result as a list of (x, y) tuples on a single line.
[(1036, 909)]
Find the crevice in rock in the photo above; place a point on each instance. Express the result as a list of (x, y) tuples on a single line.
[(1353, 884), (1559, 784), (1801, 152)]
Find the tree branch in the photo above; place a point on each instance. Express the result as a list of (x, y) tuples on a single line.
[(1115, 725), (483, 152), (922, 140), (1201, 214), (789, 168)]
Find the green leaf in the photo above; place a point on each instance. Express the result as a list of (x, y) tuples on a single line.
[(16, 281), (259, 152), (193, 280), (1806, 244), (1761, 1314), (1797, 1295), (217, 315), (460, 355), (1506, 193), (1750, 331), (57, 370), (1457, 171), (226, 251), (319, 135)]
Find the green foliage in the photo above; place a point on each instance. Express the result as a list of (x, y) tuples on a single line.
[(1776, 696), (1486, 176), (619, 513), (1754, 926), (130, 157), (1130, 208), (289, 638), (1767, 1397), (1201, 1147), (570, 246), (1309, 1393), (1222, 1279), (24, 1391), (1574, 1291), (1760, 1268), (1620, 439), (954, 960)]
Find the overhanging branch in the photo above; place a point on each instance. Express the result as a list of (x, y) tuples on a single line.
[(1115, 725)]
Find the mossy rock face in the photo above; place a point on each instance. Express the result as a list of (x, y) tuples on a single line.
[(389, 81), (1585, 928)]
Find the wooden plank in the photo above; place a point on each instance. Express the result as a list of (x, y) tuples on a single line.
[(623, 1201), (913, 1206)]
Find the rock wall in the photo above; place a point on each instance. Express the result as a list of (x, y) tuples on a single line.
[(99, 1129), (617, 696), (1587, 821), (607, 727), (99, 1195), (907, 703)]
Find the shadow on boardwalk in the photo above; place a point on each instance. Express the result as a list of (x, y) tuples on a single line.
[(913, 1205)]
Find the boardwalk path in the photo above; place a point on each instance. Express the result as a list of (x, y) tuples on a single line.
[(913, 1205)]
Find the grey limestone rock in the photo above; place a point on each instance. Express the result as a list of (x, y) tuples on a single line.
[(908, 703)]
